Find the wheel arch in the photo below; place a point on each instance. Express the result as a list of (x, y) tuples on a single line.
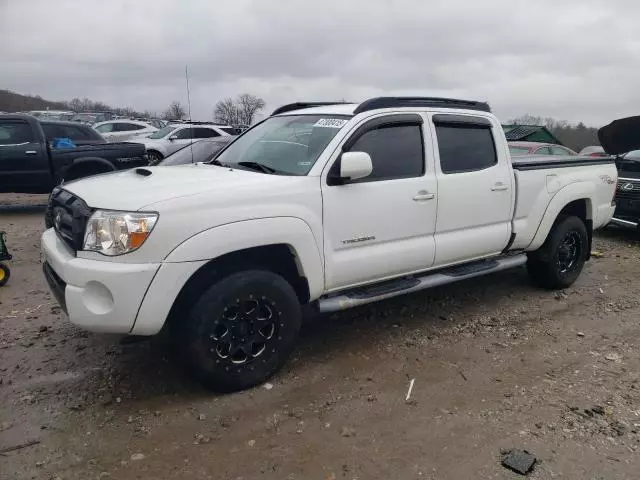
[(101, 165), (574, 199), (284, 245)]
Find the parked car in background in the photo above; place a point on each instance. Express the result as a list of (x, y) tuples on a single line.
[(29, 163), (536, 148), (199, 151), (594, 151), (93, 117), (122, 130), (52, 114), (79, 133), (175, 136), (627, 198)]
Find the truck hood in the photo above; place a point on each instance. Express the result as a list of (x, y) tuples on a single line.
[(140, 188), (620, 136)]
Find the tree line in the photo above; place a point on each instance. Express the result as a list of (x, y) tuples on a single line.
[(245, 109), (241, 110)]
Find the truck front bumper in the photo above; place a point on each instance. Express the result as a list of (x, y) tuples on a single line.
[(97, 296)]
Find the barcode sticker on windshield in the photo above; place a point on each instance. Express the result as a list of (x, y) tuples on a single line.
[(330, 123)]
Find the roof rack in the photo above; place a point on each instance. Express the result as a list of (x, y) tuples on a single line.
[(302, 105), (391, 102)]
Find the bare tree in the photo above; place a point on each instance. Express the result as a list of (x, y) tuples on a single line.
[(226, 111), (248, 106), (239, 111), (175, 111)]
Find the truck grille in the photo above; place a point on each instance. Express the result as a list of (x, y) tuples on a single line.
[(68, 214), (628, 189)]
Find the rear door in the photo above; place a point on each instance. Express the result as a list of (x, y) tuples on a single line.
[(475, 188), (24, 161)]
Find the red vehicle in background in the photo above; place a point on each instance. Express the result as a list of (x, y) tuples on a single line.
[(537, 148)]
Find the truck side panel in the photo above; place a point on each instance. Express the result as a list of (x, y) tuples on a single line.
[(543, 193)]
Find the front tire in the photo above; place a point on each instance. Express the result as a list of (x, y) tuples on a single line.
[(560, 259), (5, 273), (154, 157), (242, 330)]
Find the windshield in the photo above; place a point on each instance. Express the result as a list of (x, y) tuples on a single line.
[(163, 132), (200, 151), (289, 145)]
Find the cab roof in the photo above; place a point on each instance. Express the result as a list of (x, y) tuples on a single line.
[(346, 108)]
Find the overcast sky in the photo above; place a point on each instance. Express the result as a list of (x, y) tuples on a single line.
[(570, 59)]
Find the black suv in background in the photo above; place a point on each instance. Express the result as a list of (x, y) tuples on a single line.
[(628, 190)]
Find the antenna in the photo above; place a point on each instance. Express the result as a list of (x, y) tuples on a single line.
[(186, 74)]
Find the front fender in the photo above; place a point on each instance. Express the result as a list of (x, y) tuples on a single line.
[(232, 237), (564, 196)]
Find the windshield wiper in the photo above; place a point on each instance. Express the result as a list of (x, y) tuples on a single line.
[(218, 163), (258, 166)]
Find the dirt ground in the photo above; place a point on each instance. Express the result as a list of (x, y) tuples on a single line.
[(497, 363)]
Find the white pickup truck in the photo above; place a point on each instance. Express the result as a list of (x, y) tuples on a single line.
[(327, 205)]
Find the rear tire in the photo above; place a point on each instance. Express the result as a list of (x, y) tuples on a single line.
[(242, 330), (5, 273), (560, 259)]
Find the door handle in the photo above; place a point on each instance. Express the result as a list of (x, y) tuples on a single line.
[(423, 195), (499, 187), (30, 152)]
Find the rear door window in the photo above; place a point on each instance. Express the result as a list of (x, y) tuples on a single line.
[(465, 148), (205, 133), (127, 127), (15, 132)]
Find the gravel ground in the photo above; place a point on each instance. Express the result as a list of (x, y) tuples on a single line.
[(497, 365)]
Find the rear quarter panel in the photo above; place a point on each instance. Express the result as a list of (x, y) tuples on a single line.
[(543, 193)]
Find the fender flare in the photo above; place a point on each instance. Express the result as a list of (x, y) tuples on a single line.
[(564, 196), (232, 237), (109, 167)]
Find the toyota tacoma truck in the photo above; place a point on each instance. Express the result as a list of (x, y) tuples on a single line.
[(29, 163), (329, 206)]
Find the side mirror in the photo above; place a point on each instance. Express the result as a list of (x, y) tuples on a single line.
[(355, 165), (173, 137)]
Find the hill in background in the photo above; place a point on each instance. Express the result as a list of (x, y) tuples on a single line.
[(16, 102)]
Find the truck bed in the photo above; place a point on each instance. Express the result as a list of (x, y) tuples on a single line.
[(540, 178)]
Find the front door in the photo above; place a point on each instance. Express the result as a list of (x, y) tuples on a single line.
[(24, 161), (475, 189), (381, 226), (184, 136)]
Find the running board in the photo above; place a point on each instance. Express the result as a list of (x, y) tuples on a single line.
[(393, 288), (624, 223)]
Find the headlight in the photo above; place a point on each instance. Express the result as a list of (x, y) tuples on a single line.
[(115, 233)]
